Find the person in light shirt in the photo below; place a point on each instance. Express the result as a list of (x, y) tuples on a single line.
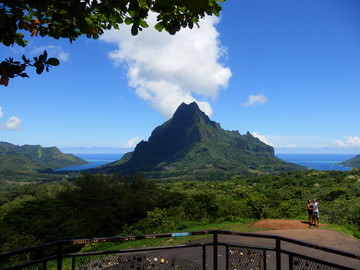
[(315, 212)]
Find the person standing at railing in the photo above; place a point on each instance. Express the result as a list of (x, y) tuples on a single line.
[(310, 211), (315, 212)]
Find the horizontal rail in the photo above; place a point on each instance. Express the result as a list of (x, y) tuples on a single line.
[(91, 253)]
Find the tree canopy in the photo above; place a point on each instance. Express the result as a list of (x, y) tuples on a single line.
[(72, 18)]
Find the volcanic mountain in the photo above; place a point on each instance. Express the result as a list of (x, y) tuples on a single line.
[(190, 146)]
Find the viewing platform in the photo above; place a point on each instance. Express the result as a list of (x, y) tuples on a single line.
[(218, 249)]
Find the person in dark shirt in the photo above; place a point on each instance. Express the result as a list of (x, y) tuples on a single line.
[(310, 211)]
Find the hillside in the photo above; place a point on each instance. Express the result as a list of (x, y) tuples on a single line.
[(352, 162), (190, 146), (17, 162)]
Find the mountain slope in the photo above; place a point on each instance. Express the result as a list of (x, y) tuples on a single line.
[(191, 146), (352, 162), (34, 157)]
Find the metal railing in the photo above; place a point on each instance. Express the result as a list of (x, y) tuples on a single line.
[(221, 250)]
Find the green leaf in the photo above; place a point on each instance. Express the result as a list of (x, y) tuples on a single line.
[(164, 3), (143, 23), (159, 26), (53, 61), (134, 29), (128, 21), (42, 57), (40, 69), (197, 5)]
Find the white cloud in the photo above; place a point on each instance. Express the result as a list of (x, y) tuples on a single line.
[(255, 100), (349, 142), (167, 70), (133, 142), (13, 123), (53, 51), (262, 138), (291, 145)]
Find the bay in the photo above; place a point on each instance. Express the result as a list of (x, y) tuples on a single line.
[(95, 160), (321, 162)]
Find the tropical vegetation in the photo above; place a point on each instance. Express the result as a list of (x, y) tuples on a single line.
[(99, 205)]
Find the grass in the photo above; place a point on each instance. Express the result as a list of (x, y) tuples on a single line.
[(243, 226), (344, 229)]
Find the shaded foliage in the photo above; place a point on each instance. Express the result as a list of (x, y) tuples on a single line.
[(95, 205)]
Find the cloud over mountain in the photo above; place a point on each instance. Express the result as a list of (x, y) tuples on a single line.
[(167, 70)]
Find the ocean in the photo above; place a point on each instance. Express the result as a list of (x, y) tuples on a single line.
[(321, 162)]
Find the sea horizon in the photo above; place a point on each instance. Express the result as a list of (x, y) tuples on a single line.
[(316, 161)]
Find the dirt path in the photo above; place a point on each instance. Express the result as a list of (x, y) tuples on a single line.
[(300, 230)]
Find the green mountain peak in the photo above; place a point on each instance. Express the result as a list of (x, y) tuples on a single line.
[(191, 146)]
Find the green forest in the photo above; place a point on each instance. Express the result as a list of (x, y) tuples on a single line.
[(102, 206)]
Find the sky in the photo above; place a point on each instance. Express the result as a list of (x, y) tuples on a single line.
[(287, 71)]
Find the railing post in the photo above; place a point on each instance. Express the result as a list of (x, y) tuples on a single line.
[(215, 252), (59, 257), (278, 253), (264, 260), (73, 263), (290, 262), (227, 260), (204, 257)]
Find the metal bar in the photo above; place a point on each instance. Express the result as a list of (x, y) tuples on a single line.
[(59, 257), (204, 257), (73, 263), (264, 259), (278, 253), (290, 262), (227, 257), (131, 250), (215, 251)]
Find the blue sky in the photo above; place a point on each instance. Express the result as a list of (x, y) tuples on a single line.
[(288, 71)]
